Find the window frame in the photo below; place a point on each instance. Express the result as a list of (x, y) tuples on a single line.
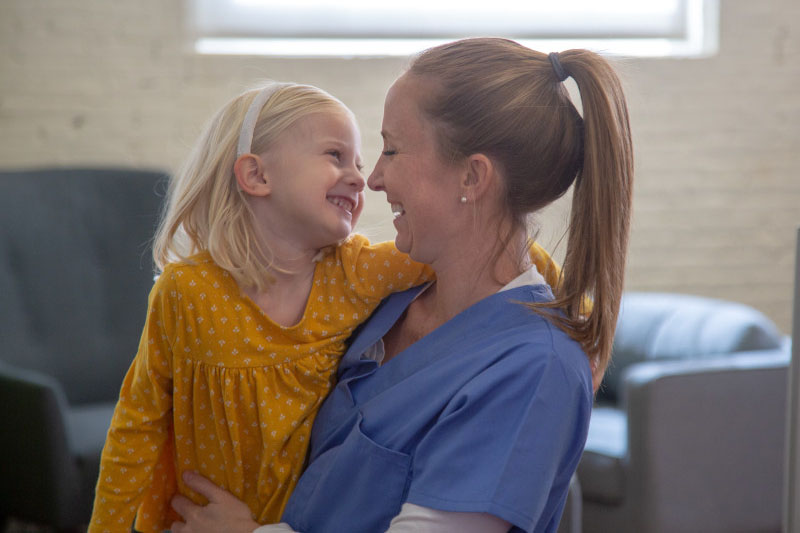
[(243, 27)]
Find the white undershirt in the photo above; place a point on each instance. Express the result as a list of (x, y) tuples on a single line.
[(414, 518)]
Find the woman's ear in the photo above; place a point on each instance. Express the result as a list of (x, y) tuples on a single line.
[(480, 175), (251, 175)]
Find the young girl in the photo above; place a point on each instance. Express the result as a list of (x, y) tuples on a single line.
[(261, 284)]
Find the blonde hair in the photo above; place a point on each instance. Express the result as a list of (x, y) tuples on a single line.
[(205, 209), (497, 97)]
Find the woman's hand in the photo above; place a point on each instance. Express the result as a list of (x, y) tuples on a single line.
[(224, 512)]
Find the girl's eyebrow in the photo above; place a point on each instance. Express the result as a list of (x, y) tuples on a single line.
[(333, 140)]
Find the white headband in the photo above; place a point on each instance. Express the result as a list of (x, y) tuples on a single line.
[(251, 117)]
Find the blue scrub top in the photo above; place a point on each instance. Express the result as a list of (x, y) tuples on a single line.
[(487, 413)]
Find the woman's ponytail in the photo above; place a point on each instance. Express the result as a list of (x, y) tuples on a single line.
[(601, 209), (497, 97)]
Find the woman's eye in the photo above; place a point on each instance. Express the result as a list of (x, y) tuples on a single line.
[(388, 153)]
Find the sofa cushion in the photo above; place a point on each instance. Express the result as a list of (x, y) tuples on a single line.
[(87, 426), (655, 326), (75, 272)]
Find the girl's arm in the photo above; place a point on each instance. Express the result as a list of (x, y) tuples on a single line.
[(139, 425), (378, 270)]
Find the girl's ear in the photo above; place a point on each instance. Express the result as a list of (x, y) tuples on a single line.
[(251, 176)]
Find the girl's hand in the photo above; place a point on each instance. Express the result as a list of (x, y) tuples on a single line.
[(224, 512)]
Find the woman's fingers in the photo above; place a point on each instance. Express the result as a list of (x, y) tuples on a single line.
[(224, 512), (203, 486), (184, 506)]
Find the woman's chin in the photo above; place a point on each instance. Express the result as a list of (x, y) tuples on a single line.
[(402, 244)]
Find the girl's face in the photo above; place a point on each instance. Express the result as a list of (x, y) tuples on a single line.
[(422, 189), (316, 185)]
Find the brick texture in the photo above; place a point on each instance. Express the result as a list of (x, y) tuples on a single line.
[(717, 201)]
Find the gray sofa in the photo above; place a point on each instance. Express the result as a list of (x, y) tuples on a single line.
[(75, 272), (688, 432)]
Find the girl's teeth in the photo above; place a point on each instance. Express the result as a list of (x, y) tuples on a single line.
[(340, 202)]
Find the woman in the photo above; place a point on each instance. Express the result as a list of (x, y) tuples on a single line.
[(465, 403)]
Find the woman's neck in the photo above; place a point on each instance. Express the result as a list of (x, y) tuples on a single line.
[(473, 272), (464, 277)]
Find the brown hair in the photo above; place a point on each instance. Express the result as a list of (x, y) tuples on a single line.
[(497, 97)]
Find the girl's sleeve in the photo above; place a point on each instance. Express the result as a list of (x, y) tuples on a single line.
[(551, 272), (377, 270), (507, 443), (545, 264), (141, 419)]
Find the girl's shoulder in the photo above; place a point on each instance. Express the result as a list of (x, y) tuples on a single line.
[(198, 268), (358, 249), (375, 270)]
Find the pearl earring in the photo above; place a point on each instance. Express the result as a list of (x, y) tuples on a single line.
[(463, 199)]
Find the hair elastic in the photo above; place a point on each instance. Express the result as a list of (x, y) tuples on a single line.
[(251, 117), (561, 74)]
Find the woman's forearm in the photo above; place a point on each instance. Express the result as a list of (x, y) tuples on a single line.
[(415, 518)]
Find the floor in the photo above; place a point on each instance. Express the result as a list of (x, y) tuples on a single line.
[(16, 526)]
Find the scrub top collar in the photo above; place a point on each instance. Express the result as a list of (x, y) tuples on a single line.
[(376, 352), (435, 345)]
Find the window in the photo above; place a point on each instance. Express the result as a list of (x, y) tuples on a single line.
[(369, 28)]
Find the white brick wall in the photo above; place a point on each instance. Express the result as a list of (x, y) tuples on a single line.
[(92, 82)]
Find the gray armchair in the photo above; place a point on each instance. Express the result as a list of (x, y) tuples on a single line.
[(688, 434), (75, 272)]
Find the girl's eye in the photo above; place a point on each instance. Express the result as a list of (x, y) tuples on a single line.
[(335, 153)]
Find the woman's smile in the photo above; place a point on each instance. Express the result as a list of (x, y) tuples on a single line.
[(397, 210)]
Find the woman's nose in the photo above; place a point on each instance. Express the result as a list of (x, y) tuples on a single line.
[(375, 180)]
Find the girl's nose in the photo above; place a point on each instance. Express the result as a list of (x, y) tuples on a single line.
[(356, 180)]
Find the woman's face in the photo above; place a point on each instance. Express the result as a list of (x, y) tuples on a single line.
[(422, 189)]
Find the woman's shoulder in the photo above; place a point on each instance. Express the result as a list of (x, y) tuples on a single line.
[(528, 339)]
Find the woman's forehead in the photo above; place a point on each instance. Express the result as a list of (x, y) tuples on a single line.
[(402, 113)]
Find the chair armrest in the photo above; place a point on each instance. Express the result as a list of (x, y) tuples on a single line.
[(34, 443), (705, 441), (573, 512)]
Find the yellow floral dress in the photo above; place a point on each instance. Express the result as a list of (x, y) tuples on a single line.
[(218, 388)]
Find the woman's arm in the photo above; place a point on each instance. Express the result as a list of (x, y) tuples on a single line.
[(225, 512), (414, 518)]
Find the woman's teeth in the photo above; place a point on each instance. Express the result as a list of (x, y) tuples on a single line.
[(397, 210)]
